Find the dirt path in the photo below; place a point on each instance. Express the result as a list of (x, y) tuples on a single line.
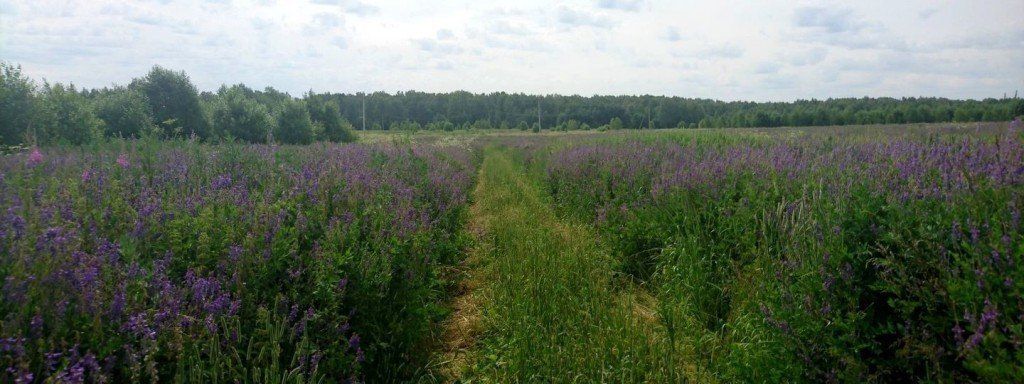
[(462, 328)]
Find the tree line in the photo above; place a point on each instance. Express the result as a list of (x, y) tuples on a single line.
[(501, 110), (166, 103)]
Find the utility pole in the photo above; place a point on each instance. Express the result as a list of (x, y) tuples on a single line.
[(364, 111), (538, 113)]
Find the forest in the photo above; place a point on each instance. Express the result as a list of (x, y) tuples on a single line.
[(166, 103)]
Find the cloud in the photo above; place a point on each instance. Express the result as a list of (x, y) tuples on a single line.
[(573, 18), (807, 57), (328, 20), (262, 24), (355, 7), (828, 20), (843, 28), (434, 46), (444, 65), (767, 68), (1003, 40), (724, 51), (672, 34), (524, 44), (504, 27), (8, 8), (445, 34), (926, 14), (622, 5), (340, 41)]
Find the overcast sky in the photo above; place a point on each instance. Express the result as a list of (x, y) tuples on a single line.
[(766, 50)]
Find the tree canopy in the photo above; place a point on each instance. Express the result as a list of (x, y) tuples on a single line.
[(166, 103)]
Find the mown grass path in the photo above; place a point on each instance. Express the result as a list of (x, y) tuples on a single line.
[(542, 298)]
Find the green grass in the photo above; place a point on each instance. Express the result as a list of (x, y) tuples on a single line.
[(551, 311)]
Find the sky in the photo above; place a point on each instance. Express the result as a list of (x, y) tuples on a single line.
[(728, 50)]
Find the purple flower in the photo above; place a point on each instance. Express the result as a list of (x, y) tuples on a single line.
[(35, 157), (353, 341), (122, 160)]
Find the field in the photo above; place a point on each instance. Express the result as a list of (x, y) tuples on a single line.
[(886, 253)]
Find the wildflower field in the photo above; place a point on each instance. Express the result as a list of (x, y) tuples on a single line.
[(821, 254)]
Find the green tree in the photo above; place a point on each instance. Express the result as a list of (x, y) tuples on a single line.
[(327, 113), (241, 117), (15, 104), (64, 116), (572, 125), (615, 123), (124, 112), (293, 124), (174, 102)]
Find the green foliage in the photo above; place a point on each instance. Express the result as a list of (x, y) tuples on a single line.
[(406, 126), (16, 98), (327, 113), (482, 124), (124, 111), (781, 258), (65, 116), (294, 125), (615, 123), (552, 308), (239, 116), (503, 109), (176, 109), (174, 103), (187, 262)]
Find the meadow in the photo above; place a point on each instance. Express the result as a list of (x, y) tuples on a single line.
[(884, 253)]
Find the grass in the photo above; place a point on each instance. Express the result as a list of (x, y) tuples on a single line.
[(549, 309)]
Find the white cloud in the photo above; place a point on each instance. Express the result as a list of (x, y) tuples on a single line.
[(580, 18), (672, 34), (624, 5)]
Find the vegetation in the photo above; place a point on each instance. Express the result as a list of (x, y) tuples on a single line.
[(507, 111), (146, 261), (168, 101), (818, 256), (549, 306), (163, 104)]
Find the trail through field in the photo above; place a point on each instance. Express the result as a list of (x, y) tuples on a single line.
[(541, 306)]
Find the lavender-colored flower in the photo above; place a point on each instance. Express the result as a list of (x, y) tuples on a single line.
[(353, 341), (35, 157), (122, 160)]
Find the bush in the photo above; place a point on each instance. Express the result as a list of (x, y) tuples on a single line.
[(125, 113), (293, 124), (64, 116), (240, 117), (174, 103), (16, 104)]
